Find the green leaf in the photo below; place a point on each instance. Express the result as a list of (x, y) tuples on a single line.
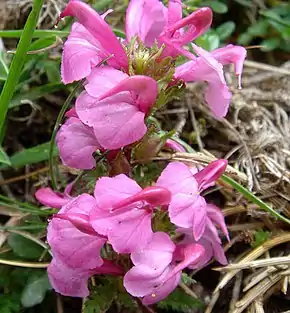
[(35, 290), (4, 158), (217, 6), (270, 44), (3, 67), (24, 247), (225, 30), (260, 237), (179, 301), (100, 299), (35, 93), (260, 28), (246, 3), (31, 156), (18, 61), (275, 17), (187, 280), (245, 39), (9, 303), (42, 43), (209, 41)]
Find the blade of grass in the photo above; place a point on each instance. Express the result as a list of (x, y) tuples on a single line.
[(4, 158), (47, 33), (35, 93), (252, 198), (31, 155), (18, 60)]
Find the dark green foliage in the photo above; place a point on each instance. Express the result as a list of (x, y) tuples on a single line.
[(178, 301)]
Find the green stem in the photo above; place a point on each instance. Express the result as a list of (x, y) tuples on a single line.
[(251, 197), (55, 129), (41, 33), (18, 61)]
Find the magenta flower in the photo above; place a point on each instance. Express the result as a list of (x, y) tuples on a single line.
[(124, 211), (92, 40), (72, 239), (175, 146), (208, 66), (73, 282), (210, 241), (187, 208), (53, 199), (76, 143), (157, 268), (153, 23), (89, 42), (115, 106)]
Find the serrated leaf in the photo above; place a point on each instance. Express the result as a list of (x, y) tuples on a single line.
[(180, 302), (24, 247), (100, 299), (260, 237), (4, 158), (225, 30), (9, 303), (35, 290), (187, 280)]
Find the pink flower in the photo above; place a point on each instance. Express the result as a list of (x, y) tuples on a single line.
[(187, 208), (77, 143), (48, 197), (90, 42), (115, 106), (72, 239), (209, 67), (157, 268), (175, 146), (73, 282), (123, 212), (210, 239), (152, 22)]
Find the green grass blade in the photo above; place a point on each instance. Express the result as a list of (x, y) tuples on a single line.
[(18, 60), (4, 158), (31, 156), (35, 93), (252, 198), (47, 33)]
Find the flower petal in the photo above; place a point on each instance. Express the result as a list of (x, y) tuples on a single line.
[(68, 281), (177, 178), (145, 19), (115, 120), (71, 246), (81, 52), (48, 197), (158, 253), (77, 143), (163, 290), (99, 29)]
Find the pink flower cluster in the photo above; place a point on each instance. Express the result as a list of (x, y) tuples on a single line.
[(120, 214), (112, 110), (125, 82)]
